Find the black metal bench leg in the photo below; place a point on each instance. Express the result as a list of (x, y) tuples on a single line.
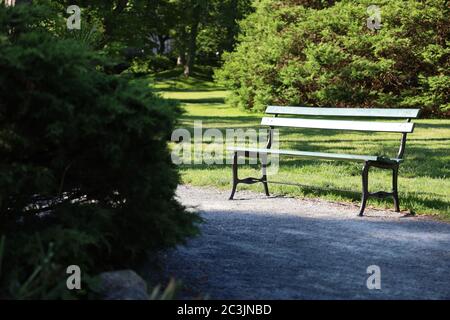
[(235, 175), (395, 189), (264, 180), (264, 174), (365, 188), (266, 187)]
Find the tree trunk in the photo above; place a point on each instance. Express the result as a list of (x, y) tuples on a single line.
[(187, 69), (192, 49), (181, 61), (162, 44)]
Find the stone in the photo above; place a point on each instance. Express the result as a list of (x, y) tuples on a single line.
[(122, 285)]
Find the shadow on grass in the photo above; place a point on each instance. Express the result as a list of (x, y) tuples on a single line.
[(223, 121), (431, 126), (201, 100), (420, 160), (188, 90), (408, 200)]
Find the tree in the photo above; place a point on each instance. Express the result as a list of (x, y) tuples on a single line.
[(85, 168), (323, 54), (214, 22), (219, 33), (189, 16), (205, 26)]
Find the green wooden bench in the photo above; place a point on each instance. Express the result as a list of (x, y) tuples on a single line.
[(379, 161)]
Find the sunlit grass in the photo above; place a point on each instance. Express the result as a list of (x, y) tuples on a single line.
[(424, 182)]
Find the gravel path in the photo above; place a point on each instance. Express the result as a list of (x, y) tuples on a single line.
[(283, 248)]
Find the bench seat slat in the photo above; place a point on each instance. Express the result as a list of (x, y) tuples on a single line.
[(369, 126), (345, 112), (322, 155)]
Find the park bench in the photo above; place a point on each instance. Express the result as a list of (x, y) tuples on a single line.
[(379, 161)]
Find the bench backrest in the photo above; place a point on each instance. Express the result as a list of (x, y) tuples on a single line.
[(346, 112), (354, 125), (350, 125)]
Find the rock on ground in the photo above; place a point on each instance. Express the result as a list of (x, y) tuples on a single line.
[(122, 285)]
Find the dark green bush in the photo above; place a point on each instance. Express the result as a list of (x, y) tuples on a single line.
[(85, 169), (151, 64), (318, 54), (158, 63)]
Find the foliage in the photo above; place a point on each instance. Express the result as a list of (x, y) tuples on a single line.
[(220, 28), (194, 30), (159, 63), (325, 55), (169, 293), (84, 162), (152, 64), (41, 282)]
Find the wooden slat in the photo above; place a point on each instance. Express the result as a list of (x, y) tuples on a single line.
[(345, 112), (369, 126), (307, 154)]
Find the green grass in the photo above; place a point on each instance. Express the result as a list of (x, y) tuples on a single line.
[(424, 182)]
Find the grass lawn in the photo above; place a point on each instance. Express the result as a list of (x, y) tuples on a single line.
[(424, 183)]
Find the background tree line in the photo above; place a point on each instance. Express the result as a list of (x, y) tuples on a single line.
[(321, 53), (198, 30)]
